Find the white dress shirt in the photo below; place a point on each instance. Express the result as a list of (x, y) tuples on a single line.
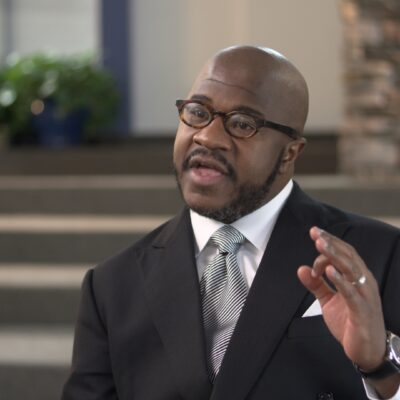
[(257, 228)]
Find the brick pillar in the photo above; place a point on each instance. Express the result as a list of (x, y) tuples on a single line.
[(369, 145)]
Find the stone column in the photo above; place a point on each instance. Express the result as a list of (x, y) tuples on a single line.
[(369, 144)]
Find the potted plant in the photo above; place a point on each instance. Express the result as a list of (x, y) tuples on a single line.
[(55, 100)]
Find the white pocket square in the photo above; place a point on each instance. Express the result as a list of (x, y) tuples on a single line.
[(314, 309)]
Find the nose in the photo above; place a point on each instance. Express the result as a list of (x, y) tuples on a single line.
[(213, 136)]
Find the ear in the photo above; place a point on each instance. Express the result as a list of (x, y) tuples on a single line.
[(292, 150)]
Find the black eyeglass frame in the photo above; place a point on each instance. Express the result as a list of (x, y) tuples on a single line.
[(260, 123)]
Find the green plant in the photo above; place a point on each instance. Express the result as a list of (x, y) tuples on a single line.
[(72, 83)]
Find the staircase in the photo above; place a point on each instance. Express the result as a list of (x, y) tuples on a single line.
[(53, 228)]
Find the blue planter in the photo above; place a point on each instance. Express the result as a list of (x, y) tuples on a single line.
[(57, 132)]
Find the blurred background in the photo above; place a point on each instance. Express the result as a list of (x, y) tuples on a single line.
[(87, 121)]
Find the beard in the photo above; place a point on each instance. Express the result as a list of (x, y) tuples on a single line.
[(249, 198)]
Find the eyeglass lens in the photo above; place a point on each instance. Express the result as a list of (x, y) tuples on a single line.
[(237, 124)]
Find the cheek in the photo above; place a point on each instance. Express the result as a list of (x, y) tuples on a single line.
[(253, 172), (255, 165), (182, 144)]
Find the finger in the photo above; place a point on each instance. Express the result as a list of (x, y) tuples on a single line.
[(316, 285), (351, 295), (320, 263), (364, 305), (340, 254)]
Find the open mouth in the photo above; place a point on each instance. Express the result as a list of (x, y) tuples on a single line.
[(205, 171), (207, 165)]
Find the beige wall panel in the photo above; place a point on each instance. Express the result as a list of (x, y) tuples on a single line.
[(173, 38), (57, 25)]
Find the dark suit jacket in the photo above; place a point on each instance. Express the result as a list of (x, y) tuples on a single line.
[(139, 332)]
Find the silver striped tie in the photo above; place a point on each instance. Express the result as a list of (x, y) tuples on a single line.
[(223, 292)]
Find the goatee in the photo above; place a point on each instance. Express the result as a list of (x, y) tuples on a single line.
[(250, 197)]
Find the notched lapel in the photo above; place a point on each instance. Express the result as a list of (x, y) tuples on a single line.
[(172, 289)]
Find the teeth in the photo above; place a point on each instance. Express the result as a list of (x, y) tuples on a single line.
[(199, 165)]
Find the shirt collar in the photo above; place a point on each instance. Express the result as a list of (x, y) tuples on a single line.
[(256, 226)]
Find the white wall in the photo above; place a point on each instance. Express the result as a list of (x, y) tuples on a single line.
[(172, 39), (68, 26)]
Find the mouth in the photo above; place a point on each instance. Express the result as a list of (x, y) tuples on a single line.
[(207, 168), (205, 171), (207, 164)]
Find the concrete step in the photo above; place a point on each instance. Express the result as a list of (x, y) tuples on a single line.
[(84, 224), (157, 194), (34, 361), (148, 156), (358, 196), (40, 294), (69, 239), (89, 195), (36, 345), (62, 248), (32, 382)]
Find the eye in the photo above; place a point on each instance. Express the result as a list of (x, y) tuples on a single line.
[(195, 113), (241, 125)]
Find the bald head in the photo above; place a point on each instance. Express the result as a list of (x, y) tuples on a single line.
[(267, 75)]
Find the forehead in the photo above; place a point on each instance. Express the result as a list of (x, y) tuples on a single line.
[(232, 86), (226, 97)]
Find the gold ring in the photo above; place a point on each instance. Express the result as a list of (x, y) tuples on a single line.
[(360, 281)]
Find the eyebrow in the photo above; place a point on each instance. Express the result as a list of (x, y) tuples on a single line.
[(243, 109), (201, 97)]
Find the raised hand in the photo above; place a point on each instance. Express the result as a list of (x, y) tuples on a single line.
[(353, 311)]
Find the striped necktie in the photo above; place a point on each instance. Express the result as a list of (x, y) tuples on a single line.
[(223, 292)]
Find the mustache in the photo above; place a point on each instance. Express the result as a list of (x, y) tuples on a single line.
[(216, 155)]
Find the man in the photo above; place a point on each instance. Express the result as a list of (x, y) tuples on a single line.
[(180, 316)]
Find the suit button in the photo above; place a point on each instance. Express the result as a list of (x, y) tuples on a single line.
[(325, 396)]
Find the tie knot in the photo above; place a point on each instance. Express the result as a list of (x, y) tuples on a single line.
[(227, 239)]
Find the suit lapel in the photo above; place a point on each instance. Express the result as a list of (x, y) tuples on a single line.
[(274, 299), (172, 288), (276, 296)]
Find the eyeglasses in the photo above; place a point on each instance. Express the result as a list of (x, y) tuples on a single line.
[(237, 123)]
